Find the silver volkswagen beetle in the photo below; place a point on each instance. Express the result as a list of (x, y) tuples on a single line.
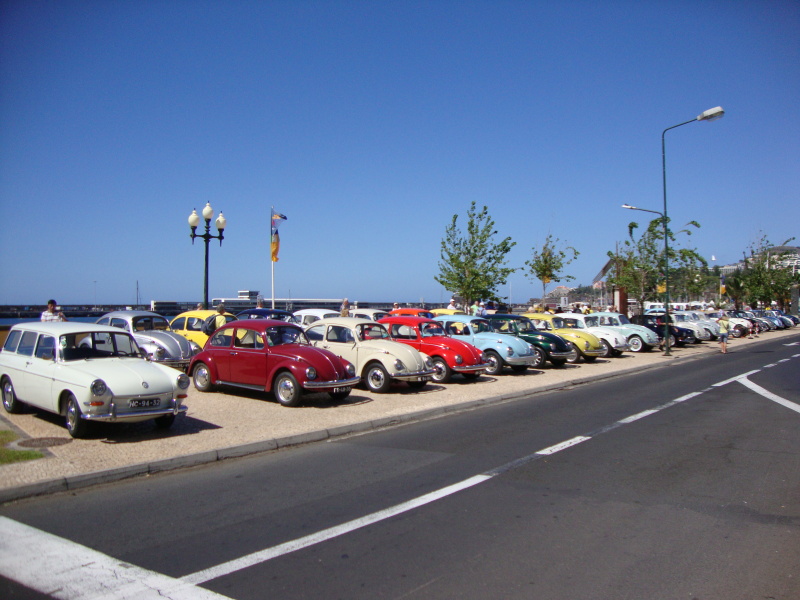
[(153, 335)]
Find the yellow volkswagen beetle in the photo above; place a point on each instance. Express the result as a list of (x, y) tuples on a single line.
[(585, 344), (190, 324)]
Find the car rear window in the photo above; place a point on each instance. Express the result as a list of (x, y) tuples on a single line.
[(12, 340)]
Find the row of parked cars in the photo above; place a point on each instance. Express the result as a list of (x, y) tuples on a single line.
[(96, 372)]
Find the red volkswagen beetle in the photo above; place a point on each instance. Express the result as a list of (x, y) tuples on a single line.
[(272, 356), (449, 355)]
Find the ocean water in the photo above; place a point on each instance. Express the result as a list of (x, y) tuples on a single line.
[(10, 322)]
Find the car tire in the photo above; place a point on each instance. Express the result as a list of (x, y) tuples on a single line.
[(10, 401), (442, 373), (202, 378), (376, 378), (607, 349), (495, 363), (339, 396), (574, 356), (165, 421), (636, 344), (76, 426), (540, 358), (738, 331), (286, 389)]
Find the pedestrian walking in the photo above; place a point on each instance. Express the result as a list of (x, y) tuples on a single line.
[(724, 329)]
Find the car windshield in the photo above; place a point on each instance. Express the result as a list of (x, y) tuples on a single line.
[(96, 344), (372, 331), (278, 336), (149, 323), (431, 329), (570, 323), (613, 320), (680, 318), (558, 323), (542, 324)]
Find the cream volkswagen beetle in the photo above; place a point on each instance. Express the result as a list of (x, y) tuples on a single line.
[(367, 344), (87, 372)]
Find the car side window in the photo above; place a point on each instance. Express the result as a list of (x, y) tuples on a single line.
[(12, 340), (194, 324), (247, 338), (403, 332), (121, 323), (339, 334), (103, 321), (221, 339), (178, 324), (316, 334), (27, 343), (46, 348)]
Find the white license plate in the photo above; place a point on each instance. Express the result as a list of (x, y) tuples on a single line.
[(340, 390), (144, 403)]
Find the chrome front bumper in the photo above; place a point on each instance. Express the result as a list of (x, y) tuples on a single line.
[(113, 415), (520, 360), (471, 369), (418, 376), (338, 383)]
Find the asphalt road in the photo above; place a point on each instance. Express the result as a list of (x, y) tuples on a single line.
[(638, 487)]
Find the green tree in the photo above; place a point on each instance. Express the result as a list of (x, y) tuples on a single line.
[(639, 266), (546, 265), (765, 278), (472, 264)]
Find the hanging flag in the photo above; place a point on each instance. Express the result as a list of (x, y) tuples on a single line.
[(275, 240)]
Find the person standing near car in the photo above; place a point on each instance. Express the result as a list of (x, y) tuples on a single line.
[(724, 329), (51, 314), (220, 319), (344, 310)]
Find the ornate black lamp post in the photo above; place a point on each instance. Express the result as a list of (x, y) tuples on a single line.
[(194, 221)]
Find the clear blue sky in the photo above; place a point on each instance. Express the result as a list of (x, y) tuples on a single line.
[(370, 124)]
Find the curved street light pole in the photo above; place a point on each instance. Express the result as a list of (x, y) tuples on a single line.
[(194, 221), (712, 114)]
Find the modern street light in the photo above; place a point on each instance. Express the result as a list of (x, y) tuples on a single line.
[(712, 114), (194, 221)]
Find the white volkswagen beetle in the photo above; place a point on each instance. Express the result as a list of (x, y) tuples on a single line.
[(614, 341), (377, 358), (640, 338), (87, 372)]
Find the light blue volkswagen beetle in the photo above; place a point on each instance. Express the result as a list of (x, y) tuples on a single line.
[(640, 338), (501, 349)]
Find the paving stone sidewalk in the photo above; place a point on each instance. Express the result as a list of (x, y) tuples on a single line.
[(226, 425)]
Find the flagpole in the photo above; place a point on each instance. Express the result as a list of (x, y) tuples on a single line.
[(272, 262)]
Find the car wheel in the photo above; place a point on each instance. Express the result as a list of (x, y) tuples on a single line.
[(540, 357), (495, 363), (737, 331), (441, 370), (286, 389), (376, 378), (202, 378), (574, 355), (635, 343), (341, 395), (10, 402), (607, 349), (76, 426), (165, 422)]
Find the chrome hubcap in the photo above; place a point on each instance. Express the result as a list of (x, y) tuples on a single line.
[(286, 388)]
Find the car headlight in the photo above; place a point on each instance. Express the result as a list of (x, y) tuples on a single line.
[(183, 381), (509, 351), (398, 364), (459, 359), (311, 373), (428, 362), (484, 357), (350, 370), (587, 345), (160, 353), (98, 387), (194, 347)]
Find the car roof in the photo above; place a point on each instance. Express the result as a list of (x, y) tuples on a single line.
[(315, 311), (407, 319), (131, 313), (264, 311), (258, 324), (65, 328), (345, 321), (463, 318), (202, 314)]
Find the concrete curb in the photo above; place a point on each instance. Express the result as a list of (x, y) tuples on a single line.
[(83, 480)]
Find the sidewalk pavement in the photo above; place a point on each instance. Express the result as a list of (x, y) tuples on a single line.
[(237, 423)]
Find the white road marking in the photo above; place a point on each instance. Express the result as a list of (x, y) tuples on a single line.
[(636, 417), (737, 378), (769, 395), (563, 445), (69, 571)]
